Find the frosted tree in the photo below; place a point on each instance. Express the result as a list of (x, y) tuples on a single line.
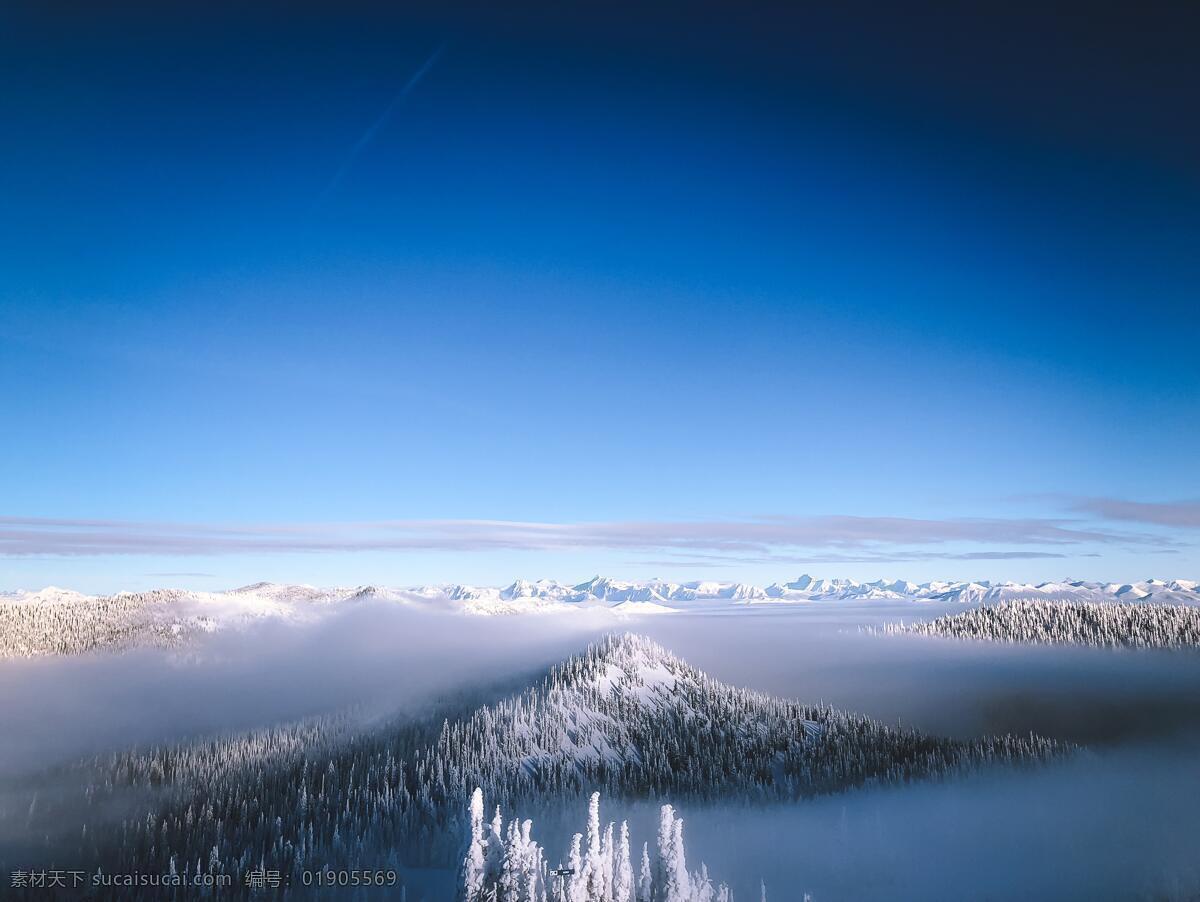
[(1109, 624), (592, 875), (645, 886), (527, 864), (494, 862), (607, 864), (474, 862), (513, 872), (577, 890), (622, 890), (600, 865), (666, 840), (678, 886)]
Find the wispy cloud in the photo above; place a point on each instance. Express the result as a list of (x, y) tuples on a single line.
[(824, 538), (377, 126), (871, 557), (1179, 514)]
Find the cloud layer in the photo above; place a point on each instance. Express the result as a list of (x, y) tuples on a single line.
[(778, 538)]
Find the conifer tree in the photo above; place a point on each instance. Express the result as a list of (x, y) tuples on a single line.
[(678, 886), (623, 868), (474, 862), (666, 840), (577, 890), (702, 888), (645, 886)]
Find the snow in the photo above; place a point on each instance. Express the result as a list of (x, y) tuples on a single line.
[(47, 621), (48, 595), (1111, 624)]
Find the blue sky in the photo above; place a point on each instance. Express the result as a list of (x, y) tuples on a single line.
[(650, 288)]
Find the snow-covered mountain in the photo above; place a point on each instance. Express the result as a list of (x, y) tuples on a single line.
[(58, 621), (548, 593), (63, 621), (629, 715), (624, 717)]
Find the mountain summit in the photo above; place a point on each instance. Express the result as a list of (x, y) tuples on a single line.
[(624, 717)]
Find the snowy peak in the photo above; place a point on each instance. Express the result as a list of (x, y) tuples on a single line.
[(543, 588), (628, 713), (604, 589), (597, 586), (48, 595), (628, 664), (62, 621), (655, 595)]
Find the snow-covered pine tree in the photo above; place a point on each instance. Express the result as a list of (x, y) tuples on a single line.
[(494, 861), (593, 863), (607, 864), (645, 885), (1109, 624), (666, 837), (474, 861), (523, 875), (623, 868), (577, 888), (679, 883), (512, 873)]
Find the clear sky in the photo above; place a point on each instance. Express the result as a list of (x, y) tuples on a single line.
[(401, 293)]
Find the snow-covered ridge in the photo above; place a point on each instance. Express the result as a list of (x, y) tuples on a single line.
[(528, 595), (1110, 625), (629, 715), (807, 588), (624, 717), (62, 621)]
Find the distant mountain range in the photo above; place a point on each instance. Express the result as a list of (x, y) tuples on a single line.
[(808, 588), (62, 621)]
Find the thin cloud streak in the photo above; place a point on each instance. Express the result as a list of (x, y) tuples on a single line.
[(843, 538), (369, 135), (1178, 514), (898, 557)]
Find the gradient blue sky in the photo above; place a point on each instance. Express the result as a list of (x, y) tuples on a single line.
[(692, 291)]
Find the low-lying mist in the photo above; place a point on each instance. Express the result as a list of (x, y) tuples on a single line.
[(1095, 696), (375, 656), (1120, 824), (1116, 821)]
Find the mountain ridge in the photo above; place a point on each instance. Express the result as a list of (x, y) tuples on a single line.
[(54, 620), (608, 589), (625, 717)]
